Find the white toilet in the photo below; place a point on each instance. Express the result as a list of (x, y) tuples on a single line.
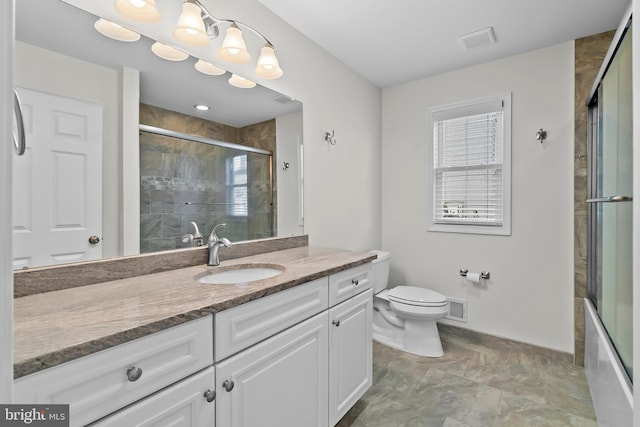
[(405, 317)]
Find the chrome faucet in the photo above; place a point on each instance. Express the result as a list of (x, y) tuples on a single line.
[(214, 245), (194, 239)]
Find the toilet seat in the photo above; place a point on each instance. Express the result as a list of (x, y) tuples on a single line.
[(413, 295)]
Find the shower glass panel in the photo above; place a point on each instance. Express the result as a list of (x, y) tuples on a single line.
[(610, 203), (184, 181)]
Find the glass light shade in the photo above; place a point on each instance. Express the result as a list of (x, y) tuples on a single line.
[(207, 68), (190, 29), (115, 31), (167, 52), (138, 10), (241, 82), (233, 47), (268, 66)]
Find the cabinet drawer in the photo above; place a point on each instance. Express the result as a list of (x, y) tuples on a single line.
[(182, 404), (345, 284), (247, 324), (98, 384)]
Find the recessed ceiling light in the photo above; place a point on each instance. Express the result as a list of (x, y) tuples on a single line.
[(201, 107)]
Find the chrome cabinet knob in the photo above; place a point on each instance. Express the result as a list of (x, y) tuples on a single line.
[(228, 385), (210, 395), (336, 322), (94, 240), (134, 374)]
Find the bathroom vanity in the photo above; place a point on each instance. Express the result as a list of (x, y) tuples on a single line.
[(290, 350)]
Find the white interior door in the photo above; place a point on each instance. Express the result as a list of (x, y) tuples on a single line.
[(57, 196)]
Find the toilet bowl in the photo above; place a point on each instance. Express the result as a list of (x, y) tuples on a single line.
[(405, 317)]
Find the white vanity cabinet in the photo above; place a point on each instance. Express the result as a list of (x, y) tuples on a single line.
[(350, 353), (281, 370), (99, 384)]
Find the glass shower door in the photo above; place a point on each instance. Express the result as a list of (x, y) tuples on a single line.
[(610, 205)]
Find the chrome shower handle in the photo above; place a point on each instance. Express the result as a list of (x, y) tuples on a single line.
[(19, 141)]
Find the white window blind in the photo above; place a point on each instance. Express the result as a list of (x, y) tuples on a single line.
[(469, 164), (237, 191)]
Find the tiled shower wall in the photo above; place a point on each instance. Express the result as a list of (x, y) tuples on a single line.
[(589, 54), (175, 171)]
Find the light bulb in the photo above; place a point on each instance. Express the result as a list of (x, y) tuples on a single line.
[(190, 28), (138, 10), (207, 68), (233, 47), (241, 82), (268, 66), (115, 31), (167, 52)]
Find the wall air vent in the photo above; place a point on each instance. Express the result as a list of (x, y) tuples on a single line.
[(477, 38), (457, 310), (283, 99)]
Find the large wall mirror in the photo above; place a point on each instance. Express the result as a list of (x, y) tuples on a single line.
[(183, 166)]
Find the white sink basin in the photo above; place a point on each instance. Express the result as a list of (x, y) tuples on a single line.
[(239, 274)]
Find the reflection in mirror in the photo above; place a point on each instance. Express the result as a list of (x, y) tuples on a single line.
[(59, 54)]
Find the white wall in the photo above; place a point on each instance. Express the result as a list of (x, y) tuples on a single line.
[(342, 181), (74, 78), (530, 295), (288, 136)]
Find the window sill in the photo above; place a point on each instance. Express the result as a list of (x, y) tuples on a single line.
[(503, 230)]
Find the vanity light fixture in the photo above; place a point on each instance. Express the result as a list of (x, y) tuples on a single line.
[(196, 26), (167, 52), (196, 22), (207, 68), (191, 29), (268, 66), (115, 31), (241, 82), (138, 10)]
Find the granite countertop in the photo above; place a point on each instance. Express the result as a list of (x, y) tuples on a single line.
[(56, 327)]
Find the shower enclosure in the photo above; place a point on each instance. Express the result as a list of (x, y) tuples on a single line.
[(609, 320), (186, 178)]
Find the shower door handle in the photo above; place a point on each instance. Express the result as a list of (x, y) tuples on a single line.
[(19, 140), (611, 199)]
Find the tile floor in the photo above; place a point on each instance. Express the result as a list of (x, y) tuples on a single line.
[(480, 381)]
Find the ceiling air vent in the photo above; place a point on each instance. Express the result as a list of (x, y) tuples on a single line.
[(477, 38)]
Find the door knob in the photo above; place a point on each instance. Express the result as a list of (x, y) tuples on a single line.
[(94, 240)]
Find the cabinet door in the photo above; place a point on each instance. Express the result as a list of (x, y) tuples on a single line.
[(281, 381), (189, 403), (350, 359)]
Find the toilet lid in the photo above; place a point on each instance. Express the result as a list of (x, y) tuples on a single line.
[(416, 296)]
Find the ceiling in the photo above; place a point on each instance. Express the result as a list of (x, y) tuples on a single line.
[(386, 42), (177, 86), (392, 42)]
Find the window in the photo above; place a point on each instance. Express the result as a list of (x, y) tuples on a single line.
[(470, 166), (237, 191)]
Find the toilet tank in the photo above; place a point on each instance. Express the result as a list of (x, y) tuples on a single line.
[(380, 271)]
